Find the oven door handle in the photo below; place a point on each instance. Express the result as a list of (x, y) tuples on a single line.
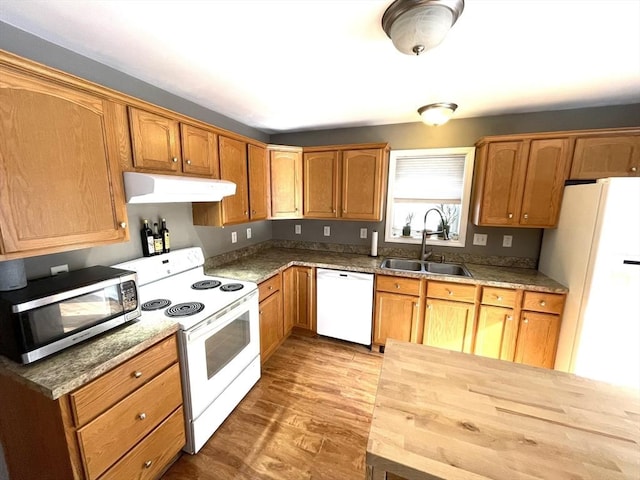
[(213, 324)]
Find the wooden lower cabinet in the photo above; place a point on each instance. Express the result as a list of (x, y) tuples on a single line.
[(449, 325), (537, 339), (496, 332), (299, 292), (135, 433), (271, 316), (396, 316)]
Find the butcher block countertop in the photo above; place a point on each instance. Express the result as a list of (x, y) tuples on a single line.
[(446, 415)]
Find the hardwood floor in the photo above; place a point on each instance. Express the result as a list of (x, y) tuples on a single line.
[(308, 417)]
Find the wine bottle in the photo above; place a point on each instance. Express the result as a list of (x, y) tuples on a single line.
[(157, 239), (146, 236), (164, 232)]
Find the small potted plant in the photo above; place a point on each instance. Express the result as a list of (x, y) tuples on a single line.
[(406, 230), (449, 214)]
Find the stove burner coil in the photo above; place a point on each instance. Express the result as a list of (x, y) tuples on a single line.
[(206, 284), (155, 304), (184, 309), (231, 287)]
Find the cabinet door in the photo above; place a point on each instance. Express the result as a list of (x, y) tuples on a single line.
[(496, 333), (258, 182), (271, 326), (285, 168), (537, 339), (449, 325), (321, 184), (547, 169), (289, 298), (304, 306), (606, 156), (362, 184), (395, 317), (200, 151), (233, 167), (501, 171), (155, 141), (60, 185)]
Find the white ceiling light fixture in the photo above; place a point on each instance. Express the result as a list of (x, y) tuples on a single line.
[(415, 26), (436, 114)]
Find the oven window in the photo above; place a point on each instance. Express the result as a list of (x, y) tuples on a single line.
[(224, 345), (51, 322)]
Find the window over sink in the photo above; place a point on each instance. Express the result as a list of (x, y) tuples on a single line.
[(429, 178)]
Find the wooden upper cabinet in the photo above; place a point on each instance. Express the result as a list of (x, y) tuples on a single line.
[(233, 167), (258, 182), (345, 181), (200, 151), (285, 172), (165, 145), (321, 181), (155, 141), (520, 183), (604, 156), (60, 154)]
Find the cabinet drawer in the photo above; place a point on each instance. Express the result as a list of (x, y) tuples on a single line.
[(499, 297), (451, 291), (269, 286), (112, 434), (91, 400), (151, 456), (543, 302), (407, 286)]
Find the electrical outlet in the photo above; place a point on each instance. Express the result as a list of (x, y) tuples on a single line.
[(248, 233), (363, 233), (480, 239), (234, 237), (298, 229), (59, 269), (327, 231), (507, 240)]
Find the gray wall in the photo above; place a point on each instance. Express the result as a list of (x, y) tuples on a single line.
[(457, 133)]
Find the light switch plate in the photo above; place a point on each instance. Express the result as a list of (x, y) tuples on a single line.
[(248, 233), (327, 231), (480, 239), (298, 229), (363, 233), (234, 237), (507, 240)]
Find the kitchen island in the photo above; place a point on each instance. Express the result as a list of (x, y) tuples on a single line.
[(445, 415)]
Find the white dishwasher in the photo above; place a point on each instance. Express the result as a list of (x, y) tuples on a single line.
[(344, 305)]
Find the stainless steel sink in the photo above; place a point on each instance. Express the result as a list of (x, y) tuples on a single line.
[(418, 266)]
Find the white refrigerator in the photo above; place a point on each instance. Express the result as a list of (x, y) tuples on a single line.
[(595, 252)]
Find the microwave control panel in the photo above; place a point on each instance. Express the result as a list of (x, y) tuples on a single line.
[(129, 295)]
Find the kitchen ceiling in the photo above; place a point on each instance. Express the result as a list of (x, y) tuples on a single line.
[(290, 65)]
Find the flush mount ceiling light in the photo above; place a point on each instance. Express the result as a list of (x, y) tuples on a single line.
[(437, 113), (415, 26)]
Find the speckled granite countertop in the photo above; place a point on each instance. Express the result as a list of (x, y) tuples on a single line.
[(63, 372), (268, 262)]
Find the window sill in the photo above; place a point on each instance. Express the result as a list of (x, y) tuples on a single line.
[(459, 243)]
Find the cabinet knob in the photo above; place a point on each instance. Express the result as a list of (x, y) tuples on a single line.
[(499, 298), (142, 416), (137, 374), (526, 320), (634, 169), (270, 287), (543, 303), (450, 292), (333, 210), (525, 216), (174, 159), (429, 306), (188, 162), (246, 212), (253, 212), (509, 318), (397, 285), (123, 224), (148, 464), (510, 215)]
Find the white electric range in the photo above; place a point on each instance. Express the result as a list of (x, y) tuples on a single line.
[(218, 338)]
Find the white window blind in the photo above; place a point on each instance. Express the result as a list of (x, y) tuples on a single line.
[(438, 179)]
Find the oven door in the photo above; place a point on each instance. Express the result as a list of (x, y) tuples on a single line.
[(217, 350)]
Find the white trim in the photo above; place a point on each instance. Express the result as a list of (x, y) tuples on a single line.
[(469, 154)]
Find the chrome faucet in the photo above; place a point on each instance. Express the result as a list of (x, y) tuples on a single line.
[(423, 253)]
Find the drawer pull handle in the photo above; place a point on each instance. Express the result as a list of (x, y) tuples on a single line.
[(543, 303), (270, 287), (148, 464), (499, 298), (137, 374), (450, 291), (142, 416), (397, 285)]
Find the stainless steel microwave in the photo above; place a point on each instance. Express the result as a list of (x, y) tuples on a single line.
[(51, 314)]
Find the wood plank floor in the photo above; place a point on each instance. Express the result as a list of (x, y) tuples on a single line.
[(308, 417)]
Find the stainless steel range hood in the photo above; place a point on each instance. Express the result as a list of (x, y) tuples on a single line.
[(151, 188)]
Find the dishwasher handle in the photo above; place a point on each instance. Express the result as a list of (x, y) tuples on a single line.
[(323, 273)]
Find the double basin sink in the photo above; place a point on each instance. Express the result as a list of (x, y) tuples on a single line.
[(419, 266)]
